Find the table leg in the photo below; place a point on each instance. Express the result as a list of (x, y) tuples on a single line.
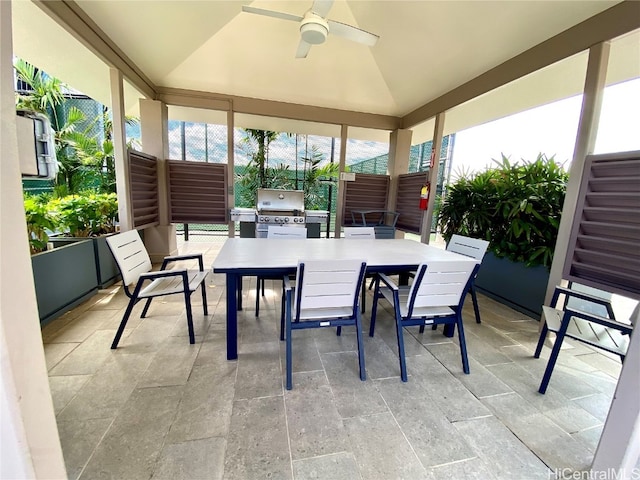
[(239, 282), (232, 317)]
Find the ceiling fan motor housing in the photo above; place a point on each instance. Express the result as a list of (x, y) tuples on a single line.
[(313, 29)]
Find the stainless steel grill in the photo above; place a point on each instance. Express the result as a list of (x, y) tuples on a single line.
[(278, 207)]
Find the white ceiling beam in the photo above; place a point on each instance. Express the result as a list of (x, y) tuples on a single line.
[(68, 14)]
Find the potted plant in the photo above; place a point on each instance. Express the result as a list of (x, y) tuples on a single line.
[(91, 215), (517, 208), (63, 277)]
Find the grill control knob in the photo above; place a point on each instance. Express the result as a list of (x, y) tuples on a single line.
[(286, 219), (277, 219)]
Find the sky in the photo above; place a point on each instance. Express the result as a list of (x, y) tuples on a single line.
[(551, 129)]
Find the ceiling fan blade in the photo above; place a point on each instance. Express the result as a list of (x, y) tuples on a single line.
[(271, 13), (322, 7), (303, 49), (352, 33)]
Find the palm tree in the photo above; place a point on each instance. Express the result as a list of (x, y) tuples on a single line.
[(85, 159)]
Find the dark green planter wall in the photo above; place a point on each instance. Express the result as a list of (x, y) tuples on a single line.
[(106, 267), (64, 277), (521, 288)]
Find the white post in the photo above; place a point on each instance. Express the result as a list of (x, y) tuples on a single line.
[(154, 125), (619, 448), (399, 151), (120, 149), (28, 430), (427, 218), (341, 193), (585, 144)]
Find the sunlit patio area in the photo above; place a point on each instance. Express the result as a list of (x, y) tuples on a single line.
[(158, 407)]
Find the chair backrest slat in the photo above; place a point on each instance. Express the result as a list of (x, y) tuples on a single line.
[(442, 284), (470, 247), (359, 232), (329, 283), (281, 231), (130, 255)]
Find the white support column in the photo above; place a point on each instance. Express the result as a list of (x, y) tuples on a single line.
[(399, 152), (120, 149), (341, 194), (231, 167), (154, 126), (619, 447), (432, 178), (585, 143), (28, 430)]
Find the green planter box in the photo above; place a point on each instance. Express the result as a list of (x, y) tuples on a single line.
[(64, 277), (106, 267), (521, 288)]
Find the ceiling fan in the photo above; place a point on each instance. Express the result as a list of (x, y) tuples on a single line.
[(315, 27)]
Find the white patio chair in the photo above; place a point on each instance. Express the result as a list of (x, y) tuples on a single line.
[(280, 232), (325, 295), (474, 248), (574, 318), (135, 267), (363, 233), (435, 297)]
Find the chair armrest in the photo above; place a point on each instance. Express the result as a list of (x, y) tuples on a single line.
[(176, 258), (162, 274), (625, 328), (582, 296), (388, 281)]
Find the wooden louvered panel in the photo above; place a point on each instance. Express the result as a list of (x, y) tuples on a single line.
[(197, 192), (607, 215), (143, 194), (408, 200), (603, 248), (612, 199), (367, 192)]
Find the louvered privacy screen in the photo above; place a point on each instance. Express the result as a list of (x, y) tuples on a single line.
[(367, 192), (143, 176), (197, 192), (604, 247), (408, 201)]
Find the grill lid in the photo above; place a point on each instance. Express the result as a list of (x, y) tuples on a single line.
[(273, 200)]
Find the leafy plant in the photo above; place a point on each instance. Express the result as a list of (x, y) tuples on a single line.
[(517, 208), (39, 222), (85, 215), (314, 178)]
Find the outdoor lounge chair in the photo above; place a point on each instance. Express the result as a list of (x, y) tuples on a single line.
[(325, 295), (574, 317), (135, 267), (435, 297)]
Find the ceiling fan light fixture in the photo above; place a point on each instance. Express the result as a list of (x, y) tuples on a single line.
[(314, 30)]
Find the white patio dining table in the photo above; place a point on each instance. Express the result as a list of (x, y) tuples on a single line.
[(240, 257)]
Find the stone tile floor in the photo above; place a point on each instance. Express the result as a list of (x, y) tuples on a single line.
[(158, 407)]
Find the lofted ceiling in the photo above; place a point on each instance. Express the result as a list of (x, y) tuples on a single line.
[(426, 49)]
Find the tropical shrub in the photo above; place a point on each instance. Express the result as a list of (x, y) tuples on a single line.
[(39, 222), (85, 215), (517, 208)]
